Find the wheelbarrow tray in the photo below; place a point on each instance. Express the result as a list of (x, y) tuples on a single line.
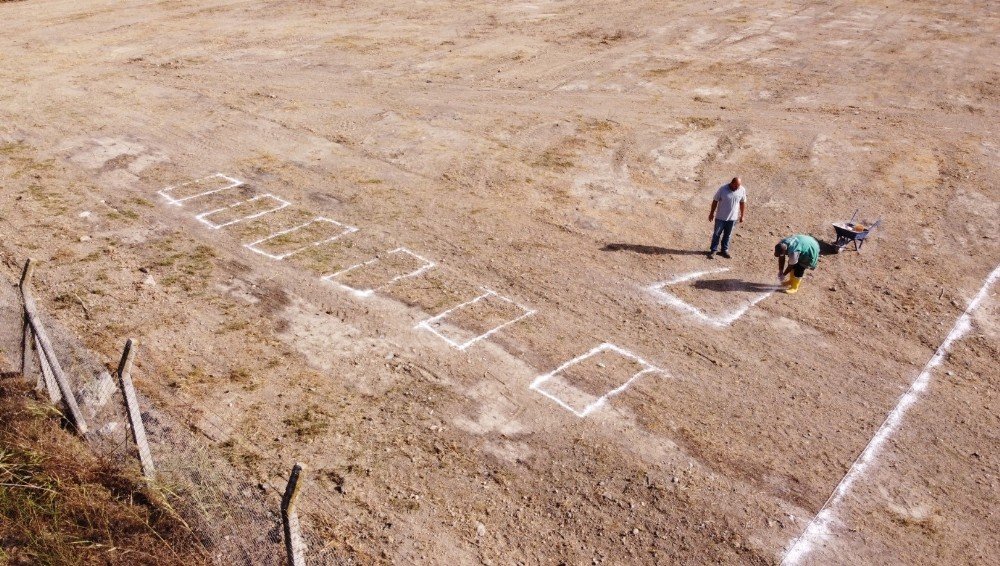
[(848, 233)]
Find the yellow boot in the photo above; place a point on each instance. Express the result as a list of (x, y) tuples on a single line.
[(793, 285)]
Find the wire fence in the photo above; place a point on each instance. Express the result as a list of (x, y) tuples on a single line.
[(227, 488)]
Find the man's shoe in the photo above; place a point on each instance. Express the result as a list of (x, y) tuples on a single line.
[(725, 255), (711, 255)]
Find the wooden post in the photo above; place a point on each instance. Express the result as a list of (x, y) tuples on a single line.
[(27, 338), (31, 312), (26, 273), (294, 546), (27, 345), (47, 379), (132, 408)]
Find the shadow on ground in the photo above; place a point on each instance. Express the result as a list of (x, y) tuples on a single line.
[(827, 248), (734, 285), (649, 250)]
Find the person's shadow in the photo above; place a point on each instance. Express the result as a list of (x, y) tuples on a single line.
[(827, 248), (734, 285), (648, 250)]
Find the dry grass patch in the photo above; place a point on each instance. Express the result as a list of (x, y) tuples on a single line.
[(60, 505)]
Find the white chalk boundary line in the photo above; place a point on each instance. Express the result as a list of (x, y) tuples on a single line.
[(165, 193), (346, 230), (282, 203), (428, 264), (818, 528), (426, 324), (537, 383), (721, 321)]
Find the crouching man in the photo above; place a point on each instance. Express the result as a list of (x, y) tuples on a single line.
[(802, 252)]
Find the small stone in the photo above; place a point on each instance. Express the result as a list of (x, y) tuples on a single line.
[(149, 281), (84, 238), (635, 531), (85, 214), (480, 530)]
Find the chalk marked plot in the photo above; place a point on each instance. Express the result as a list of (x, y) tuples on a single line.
[(293, 240), (585, 383), (365, 278), (463, 325), (242, 211), (177, 194), (658, 290)]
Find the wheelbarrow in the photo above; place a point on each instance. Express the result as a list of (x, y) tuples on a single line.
[(853, 232)]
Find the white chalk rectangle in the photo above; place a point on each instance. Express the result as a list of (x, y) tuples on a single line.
[(585, 383), (472, 321), (721, 319), (242, 211), (177, 194), (365, 278), (293, 240)]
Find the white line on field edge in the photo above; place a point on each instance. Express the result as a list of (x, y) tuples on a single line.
[(819, 527)]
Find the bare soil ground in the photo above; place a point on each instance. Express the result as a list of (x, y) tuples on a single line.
[(561, 155)]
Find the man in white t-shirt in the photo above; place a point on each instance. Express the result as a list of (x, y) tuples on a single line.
[(728, 206)]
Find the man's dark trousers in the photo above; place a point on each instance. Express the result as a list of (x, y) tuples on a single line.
[(723, 229)]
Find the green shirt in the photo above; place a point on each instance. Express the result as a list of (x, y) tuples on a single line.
[(802, 250)]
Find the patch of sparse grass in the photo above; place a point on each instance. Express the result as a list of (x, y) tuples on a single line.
[(190, 271), (11, 148), (233, 325), (123, 214), (61, 505), (700, 122), (555, 158), (240, 455), (308, 423), (243, 377), (92, 256)]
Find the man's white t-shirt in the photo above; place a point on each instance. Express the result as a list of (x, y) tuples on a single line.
[(729, 202)]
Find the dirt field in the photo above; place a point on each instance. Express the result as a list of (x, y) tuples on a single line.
[(554, 160)]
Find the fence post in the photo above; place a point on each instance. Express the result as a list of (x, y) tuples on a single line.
[(132, 409), (27, 345), (46, 376), (27, 337), (31, 313), (290, 518)]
